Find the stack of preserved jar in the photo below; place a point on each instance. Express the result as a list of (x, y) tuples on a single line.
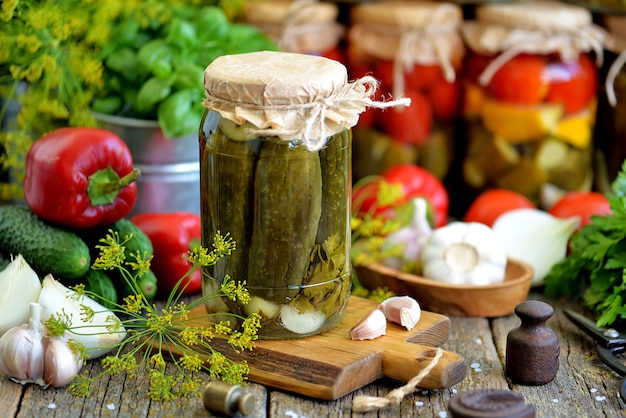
[(301, 26), (611, 128), (530, 97), (415, 50)]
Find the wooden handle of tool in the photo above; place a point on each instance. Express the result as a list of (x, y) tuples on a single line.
[(404, 364)]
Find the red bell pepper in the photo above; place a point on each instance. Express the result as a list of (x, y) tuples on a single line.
[(415, 182), (80, 178), (173, 235)]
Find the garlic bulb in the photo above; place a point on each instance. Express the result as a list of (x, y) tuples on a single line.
[(19, 286), (536, 237), (402, 310), (30, 357), (411, 238), (464, 253), (95, 333), (22, 351), (372, 325)]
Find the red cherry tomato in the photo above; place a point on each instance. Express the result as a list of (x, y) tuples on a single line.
[(573, 83), (412, 124), (444, 98), (334, 54), (490, 204), (420, 77), (582, 204), (522, 80)]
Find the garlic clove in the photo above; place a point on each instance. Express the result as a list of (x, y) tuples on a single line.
[(402, 310), (20, 286), (61, 364), (371, 326), (305, 322), (21, 350)]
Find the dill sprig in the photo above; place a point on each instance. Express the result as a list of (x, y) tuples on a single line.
[(155, 333)]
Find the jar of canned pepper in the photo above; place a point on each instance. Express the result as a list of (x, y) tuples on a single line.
[(530, 97), (416, 51)]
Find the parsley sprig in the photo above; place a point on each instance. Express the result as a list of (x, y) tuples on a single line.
[(595, 268), (156, 333)]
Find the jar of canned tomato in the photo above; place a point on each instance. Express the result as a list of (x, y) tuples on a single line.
[(611, 129), (416, 51), (302, 26), (530, 97)]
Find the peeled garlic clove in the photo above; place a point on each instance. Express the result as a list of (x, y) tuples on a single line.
[(305, 322), (402, 310), (372, 325), (20, 286), (21, 350), (61, 364)]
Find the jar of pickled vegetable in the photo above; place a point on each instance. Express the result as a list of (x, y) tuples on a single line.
[(530, 97), (611, 129), (302, 26), (275, 147), (415, 50)]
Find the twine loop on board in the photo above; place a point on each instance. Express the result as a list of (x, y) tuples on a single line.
[(393, 398)]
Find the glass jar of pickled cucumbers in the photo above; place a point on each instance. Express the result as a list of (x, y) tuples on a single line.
[(530, 96), (275, 167), (415, 50)]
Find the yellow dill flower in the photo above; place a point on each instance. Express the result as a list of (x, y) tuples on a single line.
[(133, 303), (157, 361), (191, 362)]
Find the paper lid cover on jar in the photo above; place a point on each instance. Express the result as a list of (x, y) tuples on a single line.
[(417, 32), (296, 26), (288, 95)]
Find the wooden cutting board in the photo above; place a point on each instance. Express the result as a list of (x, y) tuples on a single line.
[(330, 365)]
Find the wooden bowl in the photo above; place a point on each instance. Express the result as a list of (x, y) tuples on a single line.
[(487, 301)]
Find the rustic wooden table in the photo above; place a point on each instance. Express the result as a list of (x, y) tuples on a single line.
[(583, 387)]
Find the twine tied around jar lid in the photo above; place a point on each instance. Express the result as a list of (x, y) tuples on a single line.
[(410, 33), (295, 97), (615, 42), (533, 27), (297, 26)]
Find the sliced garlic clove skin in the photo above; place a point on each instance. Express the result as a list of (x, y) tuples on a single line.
[(402, 310), (371, 326)]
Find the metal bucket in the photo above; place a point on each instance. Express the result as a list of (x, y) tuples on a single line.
[(170, 168)]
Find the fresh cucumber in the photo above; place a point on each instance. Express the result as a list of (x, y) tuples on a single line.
[(98, 282), (47, 248), (135, 240)]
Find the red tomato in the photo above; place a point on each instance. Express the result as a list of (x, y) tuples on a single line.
[(574, 84), (582, 204), (444, 97), (475, 65), (490, 204), (334, 54), (521, 80), (415, 181), (412, 124), (420, 77)]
